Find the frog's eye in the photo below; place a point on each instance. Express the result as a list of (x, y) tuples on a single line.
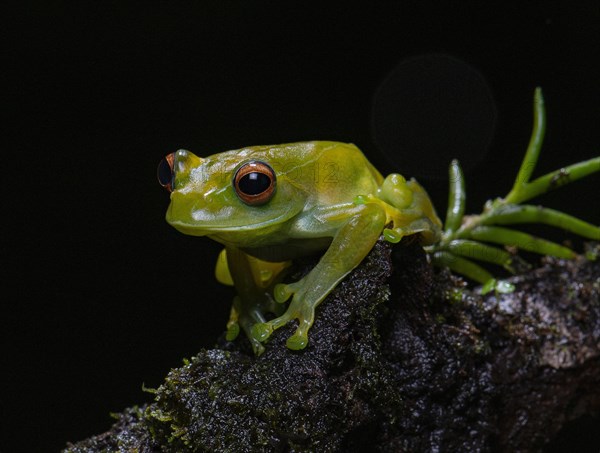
[(254, 183), (165, 172)]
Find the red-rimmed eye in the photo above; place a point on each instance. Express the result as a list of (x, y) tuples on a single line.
[(165, 172), (254, 183)]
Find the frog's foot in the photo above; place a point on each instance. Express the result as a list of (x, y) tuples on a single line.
[(247, 324), (300, 308), (243, 317), (428, 230)]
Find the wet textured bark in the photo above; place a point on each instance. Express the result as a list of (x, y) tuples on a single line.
[(400, 359)]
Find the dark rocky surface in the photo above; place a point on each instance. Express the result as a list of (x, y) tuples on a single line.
[(401, 358)]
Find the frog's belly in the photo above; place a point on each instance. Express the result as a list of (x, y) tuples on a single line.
[(289, 250)]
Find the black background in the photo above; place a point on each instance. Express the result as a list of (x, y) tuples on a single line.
[(100, 294)]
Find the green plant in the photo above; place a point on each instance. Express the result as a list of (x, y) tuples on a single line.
[(468, 238)]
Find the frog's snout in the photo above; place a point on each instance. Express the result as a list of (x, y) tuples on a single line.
[(165, 172)]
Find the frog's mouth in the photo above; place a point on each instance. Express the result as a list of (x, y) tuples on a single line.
[(200, 224), (206, 230)]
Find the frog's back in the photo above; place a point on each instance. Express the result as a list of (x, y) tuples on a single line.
[(333, 172)]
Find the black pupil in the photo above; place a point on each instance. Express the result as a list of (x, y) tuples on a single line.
[(165, 175), (254, 183)]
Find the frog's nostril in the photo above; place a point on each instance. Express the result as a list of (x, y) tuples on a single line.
[(165, 172)]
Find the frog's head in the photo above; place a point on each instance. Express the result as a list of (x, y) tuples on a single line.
[(228, 194)]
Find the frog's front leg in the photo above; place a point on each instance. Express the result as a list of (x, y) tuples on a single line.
[(252, 302), (360, 226)]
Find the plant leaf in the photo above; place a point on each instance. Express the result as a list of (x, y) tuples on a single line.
[(559, 178), (533, 149), (456, 197), (477, 250), (512, 214), (524, 241), (462, 266)]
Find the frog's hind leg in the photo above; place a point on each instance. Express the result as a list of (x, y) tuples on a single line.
[(410, 210), (252, 302), (244, 315)]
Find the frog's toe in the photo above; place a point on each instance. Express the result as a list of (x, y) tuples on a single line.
[(233, 326), (261, 331), (297, 341), (393, 235), (233, 330), (257, 347), (283, 291)]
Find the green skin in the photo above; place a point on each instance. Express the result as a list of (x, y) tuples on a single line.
[(328, 197)]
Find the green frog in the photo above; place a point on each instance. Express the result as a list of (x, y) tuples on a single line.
[(269, 205)]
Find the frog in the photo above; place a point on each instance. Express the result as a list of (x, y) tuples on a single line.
[(271, 205)]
